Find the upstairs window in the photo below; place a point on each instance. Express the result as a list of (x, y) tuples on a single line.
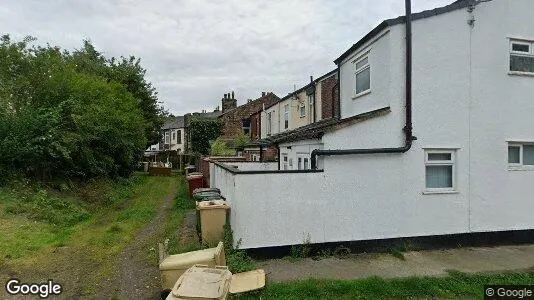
[(174, 135), (302, 109), (522, 56), (269, 124), (246, 127), (440, 170), (363, 75), (286, 116), (521, 155), (179, 136), (167, 136)]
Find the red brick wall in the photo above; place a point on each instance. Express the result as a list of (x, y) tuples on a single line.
[(270, 154), (255, 126), (329, 104), (233, 120)]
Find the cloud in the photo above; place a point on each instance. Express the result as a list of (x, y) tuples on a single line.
[(195, 51)]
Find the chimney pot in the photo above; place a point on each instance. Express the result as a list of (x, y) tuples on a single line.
[(311, 78), (263, 94), (233, 95)]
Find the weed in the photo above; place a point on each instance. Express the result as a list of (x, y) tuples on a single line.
[(301, 251), (342, 251), (399, 251), (237, 259)]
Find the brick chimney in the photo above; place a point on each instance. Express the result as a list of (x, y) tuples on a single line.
[(228, 102)]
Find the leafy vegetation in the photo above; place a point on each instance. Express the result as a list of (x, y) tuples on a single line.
[(202, 132), (241, 140), (220, 148), (456, 285), (72, 115), (237, 259)]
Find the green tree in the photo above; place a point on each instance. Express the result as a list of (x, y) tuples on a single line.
[(61, 117), (202, 132)]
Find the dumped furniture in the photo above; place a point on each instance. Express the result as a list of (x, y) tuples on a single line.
[(173, 266), (159, 171), (204, 282)]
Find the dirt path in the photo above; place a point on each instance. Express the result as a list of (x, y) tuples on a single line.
[(416, 263), (138, 278)]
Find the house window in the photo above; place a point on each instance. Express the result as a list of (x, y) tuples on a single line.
[(179, 137), (302, 109), (522, 56), (286, 116), (284, 161), (363, 75), (305, 163), (310, 106), (521, 155), (174, 136), (440, 170), (167, 137), (269, 123), (246, 127), (299, 164)]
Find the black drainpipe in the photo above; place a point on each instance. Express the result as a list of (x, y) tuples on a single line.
[(408, 126), (278, 154)]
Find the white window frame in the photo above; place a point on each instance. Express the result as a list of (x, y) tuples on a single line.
[(179, 136), (269, 123), (302, 109), (285, 161), (530, 54), (286, 116), (167, 137), (299, 164), (360, 70), (451, 162), (519, 166)]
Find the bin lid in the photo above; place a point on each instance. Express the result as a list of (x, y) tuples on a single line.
[(247, 281), (186, 260), (203, 190), (212, 204), (203, 282)]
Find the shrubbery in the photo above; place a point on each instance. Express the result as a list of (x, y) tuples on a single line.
[(72, 115)]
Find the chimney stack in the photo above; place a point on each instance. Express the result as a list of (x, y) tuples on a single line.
[(228, 102), (311, 78), (263, 94)]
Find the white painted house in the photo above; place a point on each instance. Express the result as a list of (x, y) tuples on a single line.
[(471, 167)]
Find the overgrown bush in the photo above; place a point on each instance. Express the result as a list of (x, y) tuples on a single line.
[(202, 132), (220, 148), (72, 115)]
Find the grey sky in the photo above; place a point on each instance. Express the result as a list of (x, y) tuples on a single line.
[(195, 51)]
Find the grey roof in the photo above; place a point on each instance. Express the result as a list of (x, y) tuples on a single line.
[(317, 129), (178, 122), (208, 115), (459, 4)]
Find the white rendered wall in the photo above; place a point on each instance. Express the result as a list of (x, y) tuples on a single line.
[(254, 166), (299, 149), (463, 99), (502, 110)]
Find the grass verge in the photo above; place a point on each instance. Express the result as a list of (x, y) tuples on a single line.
[(43, 240), (456, 285)]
